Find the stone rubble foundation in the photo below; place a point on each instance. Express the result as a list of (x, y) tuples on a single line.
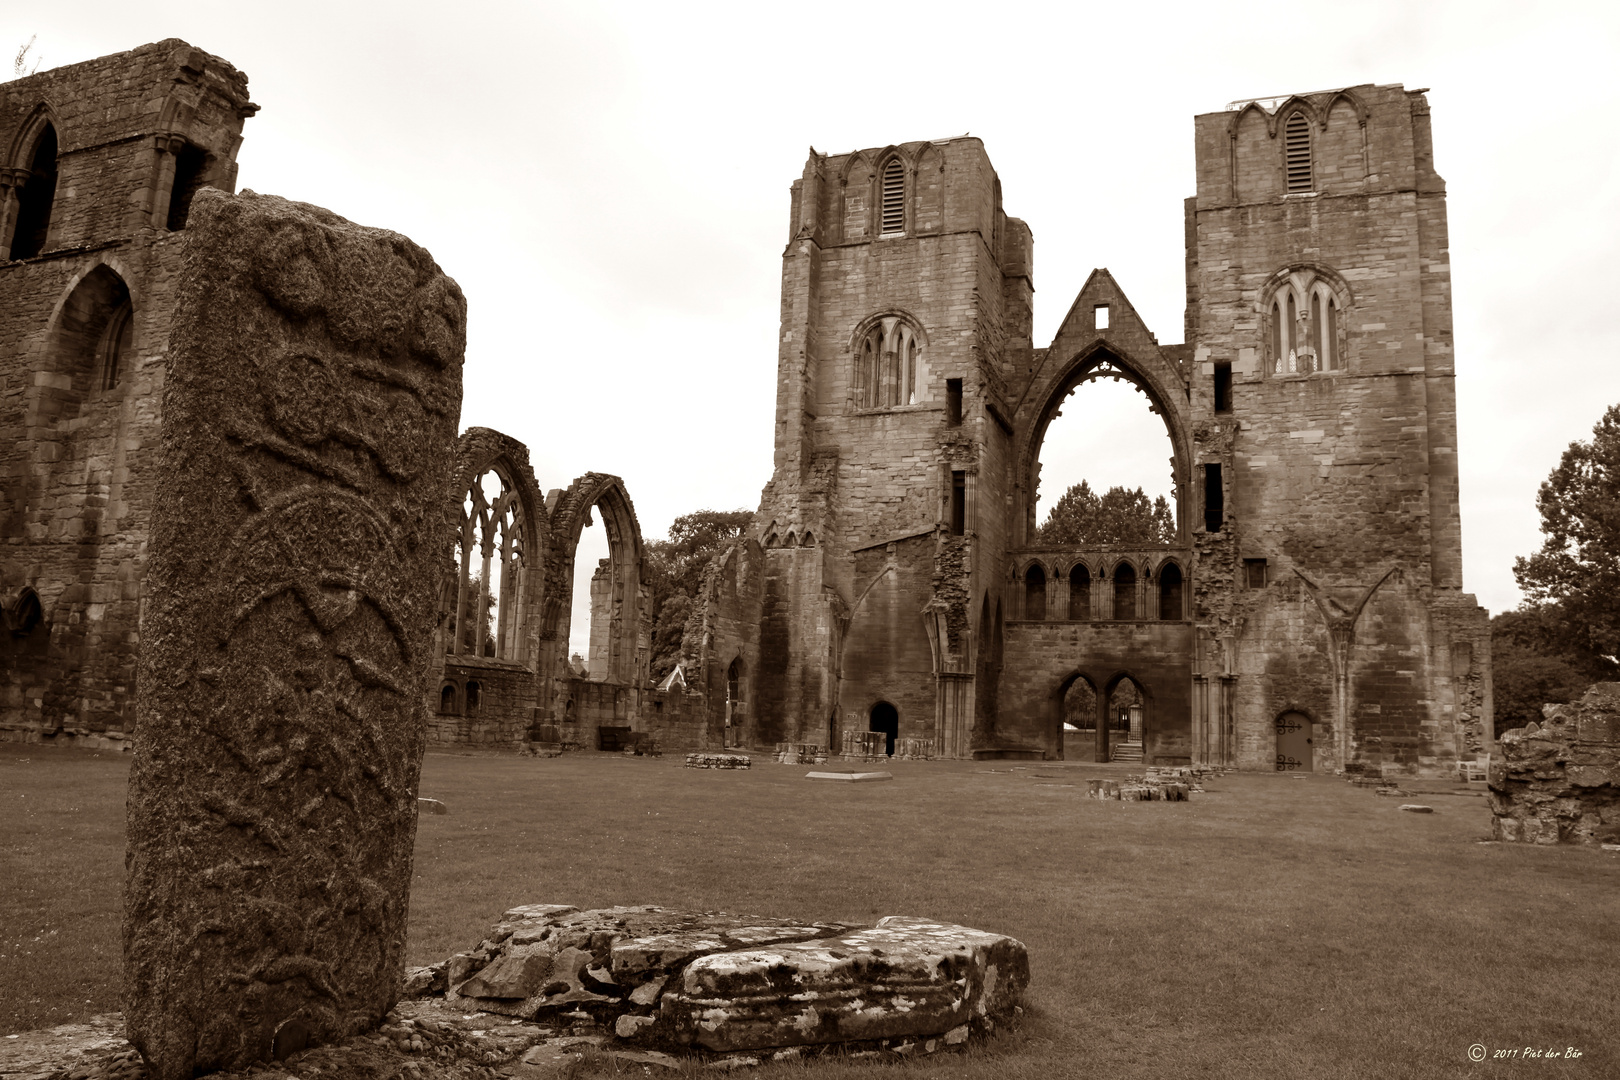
[(719, 761), (1558, 782)]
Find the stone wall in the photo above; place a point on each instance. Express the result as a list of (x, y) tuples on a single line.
[(1558, 782)]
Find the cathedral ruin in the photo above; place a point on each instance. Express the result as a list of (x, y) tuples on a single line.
[(1308, 613)]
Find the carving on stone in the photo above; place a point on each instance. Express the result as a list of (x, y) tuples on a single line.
[(312, 398)]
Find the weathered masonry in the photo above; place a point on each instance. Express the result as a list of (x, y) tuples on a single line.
[(1309, 612)]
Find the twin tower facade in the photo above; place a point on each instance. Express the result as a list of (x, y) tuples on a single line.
[(1308, 612)]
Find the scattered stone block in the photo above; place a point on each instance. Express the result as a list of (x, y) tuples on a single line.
[(1415, 808), (864, 745), (432, 806), (313, 386), (850, 777)]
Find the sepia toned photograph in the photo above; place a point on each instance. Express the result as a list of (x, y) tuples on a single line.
[(561, 541)]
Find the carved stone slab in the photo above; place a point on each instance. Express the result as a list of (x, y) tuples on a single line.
[(311, 403)]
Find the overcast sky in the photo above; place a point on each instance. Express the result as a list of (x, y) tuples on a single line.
[(609, 184)]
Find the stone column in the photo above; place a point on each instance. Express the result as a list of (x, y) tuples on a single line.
[(297, 555)]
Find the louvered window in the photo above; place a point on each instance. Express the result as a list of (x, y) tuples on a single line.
[(1297, 151), (894, 197)]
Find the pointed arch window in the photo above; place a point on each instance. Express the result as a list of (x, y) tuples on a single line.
[(887, 365), (1305, 327), (894, 197), (1297, 154), (491, 554), (35, 195)]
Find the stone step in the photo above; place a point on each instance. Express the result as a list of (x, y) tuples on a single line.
[(1130, 751)]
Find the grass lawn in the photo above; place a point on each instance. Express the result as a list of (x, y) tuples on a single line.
[(1273, 927)]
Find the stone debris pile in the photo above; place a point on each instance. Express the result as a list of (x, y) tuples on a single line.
[(719, 761), (1158, 784), (864, 745), (658, 980), (1558, 782)]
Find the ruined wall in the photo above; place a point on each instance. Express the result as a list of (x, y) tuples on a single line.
[(84, 328), (1558, 782)]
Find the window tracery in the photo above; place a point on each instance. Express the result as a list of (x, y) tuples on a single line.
[(1304, 326), (886, 364), (490, 562)]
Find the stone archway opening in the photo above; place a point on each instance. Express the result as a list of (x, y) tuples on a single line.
[(1126, 720), (593, 582), (886, 719), (1077, 727), (491, 554), (1104, 466)]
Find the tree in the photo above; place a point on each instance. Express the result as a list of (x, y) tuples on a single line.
[(1538, 657), (673, 570), (1119, 516), (1578, 566)]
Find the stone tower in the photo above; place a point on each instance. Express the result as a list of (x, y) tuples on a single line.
[(1307, 613)]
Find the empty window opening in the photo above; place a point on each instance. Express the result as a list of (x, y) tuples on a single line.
[(1035, 592), (25, 614), (90, 343), (894, 197), (773, 541), (809, 539), (1124, 591), (190, 164), (958, 503), (1305, 329), (447, 698), (1099, 316), (34, 199), (1170, 592), (1325, 327), (1223, 387), (490, 570), (1080, 707), (887, 365), (1254, 573), (597, 595), (1079, 593), (1214, 499), (885, 718), (475, 697), (953, 401), (1105, 474), (1297, 152)]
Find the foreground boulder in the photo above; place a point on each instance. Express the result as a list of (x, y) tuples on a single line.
[(711, 981)]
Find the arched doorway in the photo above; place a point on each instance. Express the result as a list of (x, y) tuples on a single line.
[(1126, 721), (1077, 726), (734, 703), (885, 718), (1294, 748)]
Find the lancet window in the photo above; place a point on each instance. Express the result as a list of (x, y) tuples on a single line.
[(490, 564), (894, 197), (1306, 327), (886, 365)]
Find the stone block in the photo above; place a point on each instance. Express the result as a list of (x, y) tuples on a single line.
[(314, 385), (904, 977)]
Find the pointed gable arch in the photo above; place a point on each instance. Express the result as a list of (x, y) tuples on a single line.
[(855, 183)]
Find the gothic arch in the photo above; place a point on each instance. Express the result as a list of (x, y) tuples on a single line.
[(626, 662), (1081, 367), (1295, 104), (1363, 114), (872, 383), (519, 607), (1236, 121), (27, 212), (28, 133), (1322, 301)]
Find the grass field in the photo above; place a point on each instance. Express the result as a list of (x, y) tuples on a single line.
[(1272, 927)]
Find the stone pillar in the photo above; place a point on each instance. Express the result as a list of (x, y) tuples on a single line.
[(297, 554)]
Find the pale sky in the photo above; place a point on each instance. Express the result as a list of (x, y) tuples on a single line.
[(609, 184)]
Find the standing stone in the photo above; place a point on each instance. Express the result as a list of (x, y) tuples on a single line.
[(312, 398)]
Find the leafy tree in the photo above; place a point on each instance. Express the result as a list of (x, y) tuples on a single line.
[(1578, 566), (1539, 656), (673, 570), (1120, 516)]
